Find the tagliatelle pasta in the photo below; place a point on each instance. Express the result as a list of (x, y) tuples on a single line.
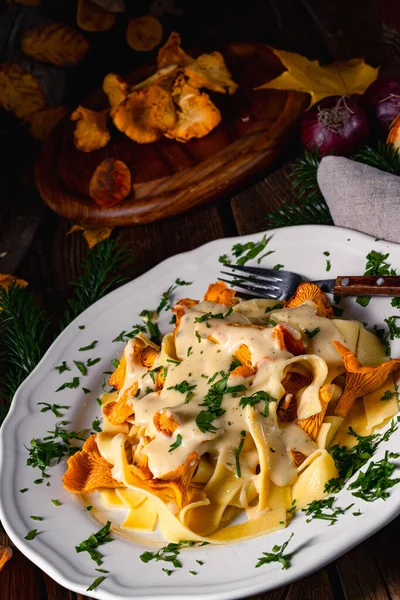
[(218, 432)]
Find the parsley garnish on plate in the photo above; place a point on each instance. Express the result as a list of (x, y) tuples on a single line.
[(96, 583), (168, 553), (80, 366), (394, 329), (313, 333), (213, 400), (55, 502), (278, 267), (237, 455), (349, 460), (31, 535), (96, 425), (176, 444), (55, 408), (328, 265), (257, 397), (373, 483), (124, 336), (245, 252), (63, 367), (35, 518), (315, 510), (89, 346), (95, 540), (92, 361), (69, 384), (184, 388), (277, 555)]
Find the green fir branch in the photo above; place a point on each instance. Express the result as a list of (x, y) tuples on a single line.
[(384, 157), (100, 276), (23, 328)]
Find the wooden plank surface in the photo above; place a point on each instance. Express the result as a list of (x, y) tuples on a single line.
[(49, 258)]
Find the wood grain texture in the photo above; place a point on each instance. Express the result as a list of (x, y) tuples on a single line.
[(367, 286), (170, 177)]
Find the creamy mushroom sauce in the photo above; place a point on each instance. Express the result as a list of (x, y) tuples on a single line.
[(206, 348)]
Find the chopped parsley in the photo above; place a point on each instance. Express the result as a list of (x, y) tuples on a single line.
[(257, 397), (63, 367), (373, 483), (315, 510), (313, 333), (91, 544), (277, 555), (82, 368), (350, 460), (388, 395), (395, 302), (89, 508), (55, 408), (213, 400), (81, 326), (96, 425), (85, 390), (88, 347), (165, 302), (175, 362), (55, 502), (328, 265), (193, 572), (189, 351), (99, 402), (96, 583), (128, 335), (24, 490), (234, 364), (376, 265), (35, 518), (245, 252), (167, 553), (394, 330), (278, 267), (152, 327), (223, 259), (237, 455), (176, 444), (337, 311), (168, 572), (275, 307), (210, 315), (273, 323), (326, 253), (198, 336), (69, 384), (41, 453), (184, 388), (31, 535)]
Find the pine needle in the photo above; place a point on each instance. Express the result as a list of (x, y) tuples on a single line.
[(100, 277), (23, 326), (384, 157)]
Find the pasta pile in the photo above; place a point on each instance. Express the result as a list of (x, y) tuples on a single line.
[(231, 418)]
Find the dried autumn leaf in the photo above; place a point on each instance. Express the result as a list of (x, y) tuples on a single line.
[(210, 71), (172, 54), (361, 380), (197, 115), (91, 131), (55, 43), (336, 79), (92, 17), (43, 121), (146, 114), (5, 555), (116, 90), (92, 236), (144, 33), (6, 280), (19, 91), (110, 183)]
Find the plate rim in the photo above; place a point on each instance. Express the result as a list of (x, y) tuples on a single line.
[(286, 577)]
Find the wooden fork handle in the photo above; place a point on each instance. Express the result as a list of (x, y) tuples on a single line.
[(349, 285)]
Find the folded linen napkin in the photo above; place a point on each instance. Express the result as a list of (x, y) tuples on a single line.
[(361, 197)]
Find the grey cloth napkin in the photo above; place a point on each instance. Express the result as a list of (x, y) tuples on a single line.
[(361, 197)]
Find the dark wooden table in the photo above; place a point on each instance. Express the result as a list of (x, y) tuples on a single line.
[(50, 260)]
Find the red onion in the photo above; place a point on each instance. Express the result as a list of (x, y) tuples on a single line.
[(335, 125), (382, 102)]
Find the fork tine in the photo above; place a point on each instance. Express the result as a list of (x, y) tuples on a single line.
[(255, 281), (259, 280), (256, 271), (260, 292)]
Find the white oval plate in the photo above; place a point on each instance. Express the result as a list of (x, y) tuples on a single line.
[(227, 572)]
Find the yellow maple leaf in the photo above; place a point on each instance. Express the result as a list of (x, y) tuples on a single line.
[(6, 280), (342, 78), (92, 236)]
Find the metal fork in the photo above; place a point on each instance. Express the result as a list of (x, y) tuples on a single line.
[(280, 285)]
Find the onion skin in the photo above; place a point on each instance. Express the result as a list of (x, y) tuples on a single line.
[(382, 103), (346, 136)]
